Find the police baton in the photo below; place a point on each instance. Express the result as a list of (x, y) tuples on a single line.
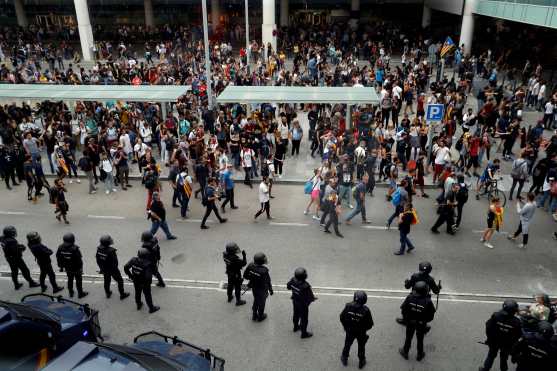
[(245, 290), (437, 303)]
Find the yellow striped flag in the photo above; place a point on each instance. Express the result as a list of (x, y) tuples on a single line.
[(448, 47)]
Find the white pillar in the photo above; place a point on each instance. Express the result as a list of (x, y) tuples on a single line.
[(85, 30), (426, 16), (284, 13), (149, 18), (355, 6), (467, 28), (269, 28), (20, 13), (215, 14)]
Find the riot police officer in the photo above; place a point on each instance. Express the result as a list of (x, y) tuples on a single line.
[(42, 256), (534, 351), (503, 330), (424, 269), (70, 260), (302, 297), (140, 271), (107, 260), (356, 320), (13, 251), (151, 243), (417, 310), (260, 283), (234, 267)]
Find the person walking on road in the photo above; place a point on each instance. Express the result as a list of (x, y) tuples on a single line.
[(209, 198), (42, 256), (360, 197), (302, 297), (107, 260), (356, 320), (228, 186), (314, 195), (446, 210), (157, 214), (417, 311), (234, 267), (519, 174), (494, 221), (184, 185), (398, 198), (140, 270), (260, 283), (58, 198), (503, 329), (526, 212), (461, 199), (13, 252), (405, 221), (150, 242), (264, 199)]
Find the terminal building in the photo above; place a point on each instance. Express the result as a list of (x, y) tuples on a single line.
[(464, 20)]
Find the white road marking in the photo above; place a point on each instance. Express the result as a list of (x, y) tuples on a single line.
[(12, 213), (483, 230), (106, 217), (289, 224), (379, 227), (193, 220)]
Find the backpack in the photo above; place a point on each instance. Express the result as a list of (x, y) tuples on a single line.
[(84, 164), (540, 169), (150, 181), (396, 197), (519, 169), (462, 195), (387, 102), (52, 195)]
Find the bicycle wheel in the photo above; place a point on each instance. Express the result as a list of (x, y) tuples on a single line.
[(483, 190), (500, 195)]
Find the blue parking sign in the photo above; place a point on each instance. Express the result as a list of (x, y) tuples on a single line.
[(434, 112)]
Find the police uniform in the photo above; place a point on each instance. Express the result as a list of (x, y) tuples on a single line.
[(503, 330), (42, 256), (357, 320), (69, 259), (234, 267), (260, 283), (107, 260), (155, 256), (302, 297), (417, 310), (534, 351), (13, 251), (140, 271)]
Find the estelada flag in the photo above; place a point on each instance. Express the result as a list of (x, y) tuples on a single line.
[(448, 47)]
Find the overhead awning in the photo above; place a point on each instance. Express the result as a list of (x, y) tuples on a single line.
[(102, 93), (298, 94)]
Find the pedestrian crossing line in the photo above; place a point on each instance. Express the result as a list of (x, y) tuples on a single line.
[(193, 220), (289, 224), (113, 217), (378, 227), (12, 212)]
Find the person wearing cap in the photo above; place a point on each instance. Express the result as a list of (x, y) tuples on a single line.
[(157, 214)]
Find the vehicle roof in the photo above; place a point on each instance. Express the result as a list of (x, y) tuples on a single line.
[(68, 313)]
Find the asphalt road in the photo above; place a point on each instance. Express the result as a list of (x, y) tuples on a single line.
[(475, 279)]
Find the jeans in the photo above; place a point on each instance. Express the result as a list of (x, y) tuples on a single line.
[(520, 185), (155, 224), (184, 202), (344, 193), (405, 241), (398, 210), (552, 201), (360, 208), (109, 182)]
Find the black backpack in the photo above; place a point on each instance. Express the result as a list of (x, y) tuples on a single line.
[(150, 181), (462, 195), (52, 195), (84, 164)]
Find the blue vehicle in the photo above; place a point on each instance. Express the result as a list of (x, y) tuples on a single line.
[(40, 328), (150, 351)]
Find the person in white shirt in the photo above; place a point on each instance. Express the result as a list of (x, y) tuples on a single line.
[(106, 166), (145, 132), (541, 95), (126, 144), (548, 114), (442, 157), (264, 199), (246, 157)]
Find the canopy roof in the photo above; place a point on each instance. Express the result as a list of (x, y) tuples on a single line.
[(103, 93), (298, 94)]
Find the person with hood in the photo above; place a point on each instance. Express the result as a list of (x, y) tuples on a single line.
[(302, 297), (234, 267), (107, 260), (42, 255), (70, 260), (13, 251)]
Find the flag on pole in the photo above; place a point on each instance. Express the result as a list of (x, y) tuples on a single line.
[(448, 47)]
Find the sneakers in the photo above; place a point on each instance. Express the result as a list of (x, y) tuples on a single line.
[(403, 353), (306, 212), (521, 246), (482, 239), (114, 190), (487, 244), (351, 206), (71, 181), (315, 217), (78, 181), (154, 309), (107, 192)]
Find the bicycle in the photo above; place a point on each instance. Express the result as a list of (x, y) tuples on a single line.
[(492, 189)]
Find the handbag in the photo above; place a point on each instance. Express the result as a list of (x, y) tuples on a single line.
[(309, 186)]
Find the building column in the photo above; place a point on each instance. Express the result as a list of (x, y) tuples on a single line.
[(85, 30), (284, 13), (426, 16), (20, 13), (269, 27), (355, 6), (149, 18), (215, 14), (467, 28)]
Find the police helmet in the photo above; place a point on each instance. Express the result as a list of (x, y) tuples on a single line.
[(510, 306), (545, 329), (33, 237), (69, 238), (143, 253), (260, 258), (301, 274), (10, 231), (360, 297), (425, 267), (232, 248), (106, 240), (421, 288), (146, 236)]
